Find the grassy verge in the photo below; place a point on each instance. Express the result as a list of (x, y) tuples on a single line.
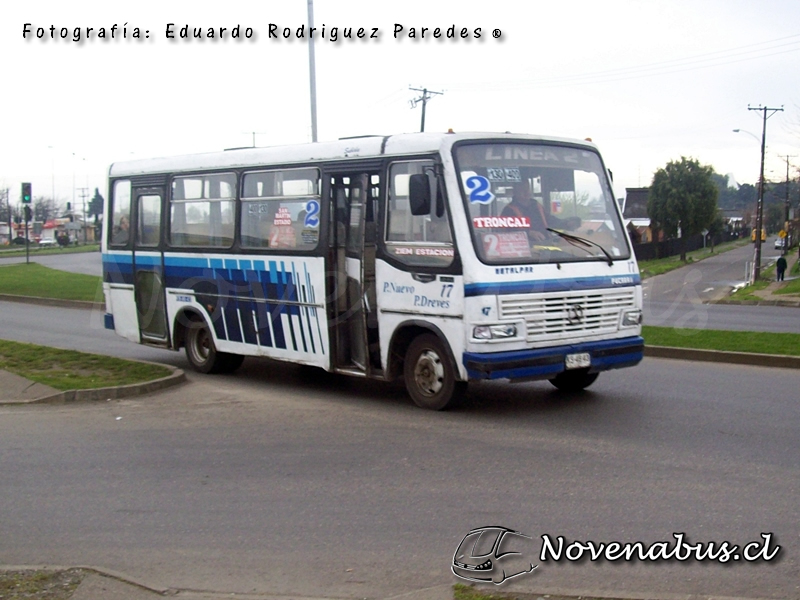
[(791, 287), (35, 250), (39, 585), (729, 341), (650, 268), (746, 293), (71, 370), (33, 279)]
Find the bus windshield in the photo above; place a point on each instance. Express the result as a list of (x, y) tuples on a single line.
[(539, 203)]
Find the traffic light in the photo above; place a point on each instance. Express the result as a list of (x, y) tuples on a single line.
[(28, 213), (26, 193)]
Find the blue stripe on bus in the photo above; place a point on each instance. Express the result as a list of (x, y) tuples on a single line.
[(241, 315), (150, 261), (551, 285)]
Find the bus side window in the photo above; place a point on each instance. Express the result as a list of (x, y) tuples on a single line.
[(416, 240), (121, 215)]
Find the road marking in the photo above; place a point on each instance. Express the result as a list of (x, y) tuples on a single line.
[(705, 291)]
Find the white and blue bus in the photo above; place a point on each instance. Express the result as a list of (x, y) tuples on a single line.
[(381, 257)]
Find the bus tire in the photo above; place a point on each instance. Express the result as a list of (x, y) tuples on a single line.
[(573, 381), (429, 373), (200, 349)]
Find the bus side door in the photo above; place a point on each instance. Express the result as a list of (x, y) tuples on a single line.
[(148, 265), (354, 322)]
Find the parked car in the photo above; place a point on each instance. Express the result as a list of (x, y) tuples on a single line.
[(46, 242), (19, 241), (779, 244)]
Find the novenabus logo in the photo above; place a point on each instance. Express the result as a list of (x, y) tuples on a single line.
[(491, 555)]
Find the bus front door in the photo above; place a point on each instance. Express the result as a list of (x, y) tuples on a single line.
[(148, 268)]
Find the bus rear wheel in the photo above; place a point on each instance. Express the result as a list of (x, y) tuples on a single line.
[(202, 353), (429, 374), (573, 381)]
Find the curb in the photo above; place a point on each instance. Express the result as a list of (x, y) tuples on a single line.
[(719, 356), (110, 393), (790, 303), (124, 578), (53, 302)]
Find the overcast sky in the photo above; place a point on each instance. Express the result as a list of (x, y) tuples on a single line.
[(649, 82)]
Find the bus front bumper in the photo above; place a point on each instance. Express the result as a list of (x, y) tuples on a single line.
[(546, 363)]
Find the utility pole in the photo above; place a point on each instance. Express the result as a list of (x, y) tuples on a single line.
[(768, 112), (8, 203), (312, 72), (84, 194), (786, 209), (426, 95), (254, 133)]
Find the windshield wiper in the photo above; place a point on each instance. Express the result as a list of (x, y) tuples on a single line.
[(584, 241)]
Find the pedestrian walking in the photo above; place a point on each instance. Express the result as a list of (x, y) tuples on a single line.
[(780, 267)]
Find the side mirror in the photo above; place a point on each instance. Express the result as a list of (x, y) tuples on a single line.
[(419, 194)]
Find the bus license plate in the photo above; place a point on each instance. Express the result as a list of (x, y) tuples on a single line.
[(578, 361)]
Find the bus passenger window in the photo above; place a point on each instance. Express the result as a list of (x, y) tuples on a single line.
[(202, 211), (280, 209), (120, 218)]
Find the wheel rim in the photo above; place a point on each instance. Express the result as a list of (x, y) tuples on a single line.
[(429, 373), (201, 346)]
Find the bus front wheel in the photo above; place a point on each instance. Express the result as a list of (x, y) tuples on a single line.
[(573, 381), (429, 374), (202, 353)]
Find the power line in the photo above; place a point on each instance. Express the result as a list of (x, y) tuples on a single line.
[(690, 63)]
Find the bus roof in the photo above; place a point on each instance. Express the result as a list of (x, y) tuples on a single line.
[(343, 149)]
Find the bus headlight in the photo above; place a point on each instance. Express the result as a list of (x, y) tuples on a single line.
[(494, 332), (631, 318)]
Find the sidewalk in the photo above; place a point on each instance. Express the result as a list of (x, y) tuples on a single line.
[(16, 390), (767, 296)]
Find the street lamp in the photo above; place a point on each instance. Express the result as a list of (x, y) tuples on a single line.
[(753, 135)]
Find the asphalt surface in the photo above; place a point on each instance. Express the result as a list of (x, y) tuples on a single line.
[(287, 481), (744, 475)]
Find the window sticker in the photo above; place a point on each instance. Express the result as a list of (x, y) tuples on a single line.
[(282, 217), (421, 251), (512, 175), (312, 214), (501, 222), (506, 245), (496, 174), (479, 190)]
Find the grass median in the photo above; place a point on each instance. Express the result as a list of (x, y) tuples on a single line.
[(72, 370), (787, 344), (33, 279)]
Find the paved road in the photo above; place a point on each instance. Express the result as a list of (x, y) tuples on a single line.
[(708, 279), (88, 263), (681, 297), (286, 480)]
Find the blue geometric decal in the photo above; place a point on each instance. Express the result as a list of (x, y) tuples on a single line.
[(248, 301)]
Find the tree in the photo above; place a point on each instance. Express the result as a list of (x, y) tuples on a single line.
[(716, 228), (773, 219), (683, 196), (45, 209), (96, 205)]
